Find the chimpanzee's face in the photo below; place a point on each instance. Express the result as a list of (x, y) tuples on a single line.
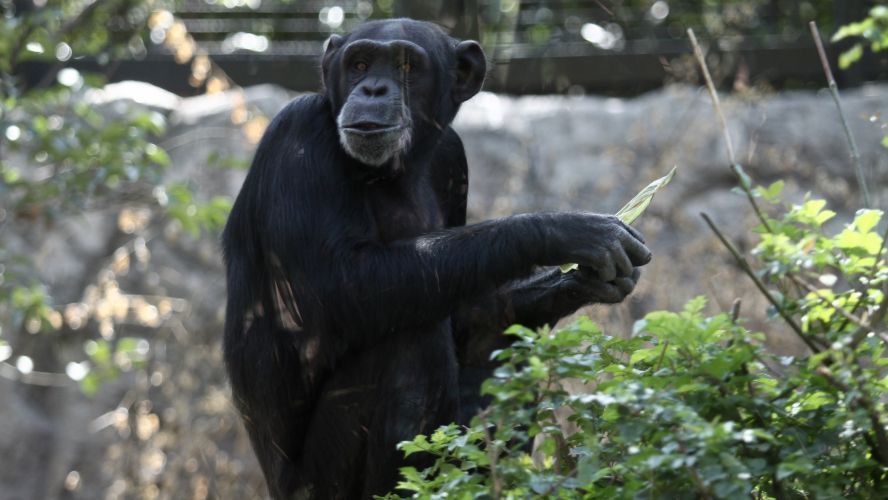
[(393, 81)]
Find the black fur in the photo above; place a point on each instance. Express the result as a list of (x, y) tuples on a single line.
[(360, 306)]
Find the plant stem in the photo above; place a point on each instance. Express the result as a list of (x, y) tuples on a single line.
[(735, 310), (496, 486), (732, 159), (834, 90), (761, 286), (662, 355), (698, 52)]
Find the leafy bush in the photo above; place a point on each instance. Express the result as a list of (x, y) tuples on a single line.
[(693, 406)]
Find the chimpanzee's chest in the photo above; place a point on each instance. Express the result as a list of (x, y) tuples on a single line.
[(404, 209)]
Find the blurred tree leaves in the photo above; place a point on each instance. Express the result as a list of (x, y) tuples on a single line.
[(64, 153), (873, 30)]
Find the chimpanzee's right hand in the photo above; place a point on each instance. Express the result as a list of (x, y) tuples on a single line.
[(600, 242)]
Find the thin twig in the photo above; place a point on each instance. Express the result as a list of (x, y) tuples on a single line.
[(496, 486), (735, 167), (43, 379), (604, 8), (834, 90), (698, 52), (662, 355), (744, 265)]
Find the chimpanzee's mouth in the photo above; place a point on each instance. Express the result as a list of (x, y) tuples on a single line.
[(371, 127)]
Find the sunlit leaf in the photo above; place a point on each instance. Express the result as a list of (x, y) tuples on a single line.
[(865, 220), (850, 56)]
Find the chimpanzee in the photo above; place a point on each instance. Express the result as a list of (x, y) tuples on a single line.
[(361, 309)]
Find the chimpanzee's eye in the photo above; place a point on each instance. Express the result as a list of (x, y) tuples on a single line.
[(406, 67), (361, 66)]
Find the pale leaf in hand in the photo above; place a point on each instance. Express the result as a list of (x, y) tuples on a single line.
[(636, 206)]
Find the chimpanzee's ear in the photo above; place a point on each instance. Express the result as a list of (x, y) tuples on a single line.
[(471, 67), (330, 47), (332, 43)]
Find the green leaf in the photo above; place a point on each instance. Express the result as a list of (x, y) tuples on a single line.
[(695, 306), (824, 216), (849, 239), (811, 213), (645, 355), (849, 30), (419, 444), (413, 479), (157, 155), (865, 220), (91, 383), (816, 400), (773, 190), (850, 56)]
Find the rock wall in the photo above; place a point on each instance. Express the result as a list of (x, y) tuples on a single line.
[(169, 431)]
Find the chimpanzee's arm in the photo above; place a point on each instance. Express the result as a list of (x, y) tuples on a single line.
[(541, 299), (308, 220)]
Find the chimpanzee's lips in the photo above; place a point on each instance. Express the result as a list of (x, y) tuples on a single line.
[(370, 127)]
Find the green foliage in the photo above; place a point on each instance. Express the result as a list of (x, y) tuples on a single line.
[(109, 358), (74, 155), (193, 216), (635, 18), (692, 405), (24, 302), (873, 30), (838, 278), (41, 33), (217, 160), (63, 152)]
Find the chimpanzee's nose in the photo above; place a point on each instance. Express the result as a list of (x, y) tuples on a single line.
[(374, 89)]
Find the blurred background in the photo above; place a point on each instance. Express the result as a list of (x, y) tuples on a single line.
[(621, 47), (126, 127)]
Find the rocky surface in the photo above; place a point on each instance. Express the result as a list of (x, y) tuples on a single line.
[(168, 430)]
